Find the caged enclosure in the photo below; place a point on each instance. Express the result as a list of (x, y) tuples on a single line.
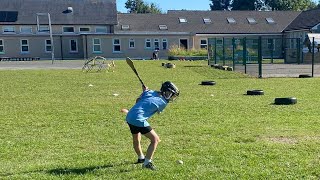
[(266, 57)]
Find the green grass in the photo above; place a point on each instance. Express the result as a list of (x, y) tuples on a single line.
[(55, 126)]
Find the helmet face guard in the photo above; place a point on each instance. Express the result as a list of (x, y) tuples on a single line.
[(169, 91)]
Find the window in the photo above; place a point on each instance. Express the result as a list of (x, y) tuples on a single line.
[(183, 20), (8, 29), (164, 44), (101, 29), (116, 45), (97, 45), (271, 44), (44, 29), (68, 29), (270, 21), (163, 27), (26, 29), (156, 44), (252, 21), (207, 20), (148, 43), (131, 43), (203, 44), (73, 45), (84, 29), (231, 20), (125, 27), (48, 47), (1, 46), (24, 46)]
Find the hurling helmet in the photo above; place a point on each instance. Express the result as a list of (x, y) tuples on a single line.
[(169, 91)]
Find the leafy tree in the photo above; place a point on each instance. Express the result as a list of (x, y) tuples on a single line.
[(243, 5), (295, 5), (139, 6), (219, 4)]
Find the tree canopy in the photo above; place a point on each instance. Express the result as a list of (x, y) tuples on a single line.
[(139, 6), (295, 5)]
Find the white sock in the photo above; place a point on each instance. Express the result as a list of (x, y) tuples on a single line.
[(146, 161), (141, 157)]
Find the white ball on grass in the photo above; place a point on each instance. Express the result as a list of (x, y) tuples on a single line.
[(179, 161)]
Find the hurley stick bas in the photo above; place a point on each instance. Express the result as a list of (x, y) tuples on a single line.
[(130, 63)]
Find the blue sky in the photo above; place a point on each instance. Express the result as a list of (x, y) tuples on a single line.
[(165, 5)]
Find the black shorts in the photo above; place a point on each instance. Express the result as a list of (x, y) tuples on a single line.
[(142, 130)]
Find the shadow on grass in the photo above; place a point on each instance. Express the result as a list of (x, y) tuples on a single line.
[(69, 171), (79, 171), (84, 170)]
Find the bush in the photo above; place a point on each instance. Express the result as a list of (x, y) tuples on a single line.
[(175, 50)]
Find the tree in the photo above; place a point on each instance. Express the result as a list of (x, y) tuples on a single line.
[(139, 6), (219, 5), (243, 5)]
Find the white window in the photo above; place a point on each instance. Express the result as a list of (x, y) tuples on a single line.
[(73, 45), (203, 44), (182, 20), (26, 29), (231, 20), (271, 44), (164, 44), (251, 21), (101, 29), (43, 29), (24, 46), (97, 45), (116, 45), (132, 43), (270, 21), (163, 27), (1, 46), (68, 29), (207, 20), (48, 47), (84, 29), (125, 27), (148, 43), (8, 29), (156, 44)]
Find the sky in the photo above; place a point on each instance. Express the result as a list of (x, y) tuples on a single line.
[(165, 5)]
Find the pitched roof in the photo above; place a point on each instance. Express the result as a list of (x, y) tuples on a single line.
[(305, 20), (83, 11), (219, 24)]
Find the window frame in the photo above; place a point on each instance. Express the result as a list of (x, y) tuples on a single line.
[(206, 44), (146, 42), (24, 45), (94, 44), (164, 41), (6, 31), (47, 45), (70, 46), (27, 27), (131, 40), (115, 45), (68, 32), (2, 45)]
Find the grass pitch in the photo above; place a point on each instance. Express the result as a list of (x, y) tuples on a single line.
[(66, 124)]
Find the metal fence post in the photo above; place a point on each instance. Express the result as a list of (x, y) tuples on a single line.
[(313, 56), (233, 48), (260, 56)]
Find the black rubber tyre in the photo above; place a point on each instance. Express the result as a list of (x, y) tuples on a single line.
[(255, 92), (285, 101), (208, 83), (305, 76), (169, 65)]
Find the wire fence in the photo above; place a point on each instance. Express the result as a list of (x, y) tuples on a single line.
[(266, 57)]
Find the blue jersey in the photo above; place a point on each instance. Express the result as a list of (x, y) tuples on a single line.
[(150, 102)]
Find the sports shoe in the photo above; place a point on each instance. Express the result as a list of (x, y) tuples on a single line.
[(149, 166), (139, 161)]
